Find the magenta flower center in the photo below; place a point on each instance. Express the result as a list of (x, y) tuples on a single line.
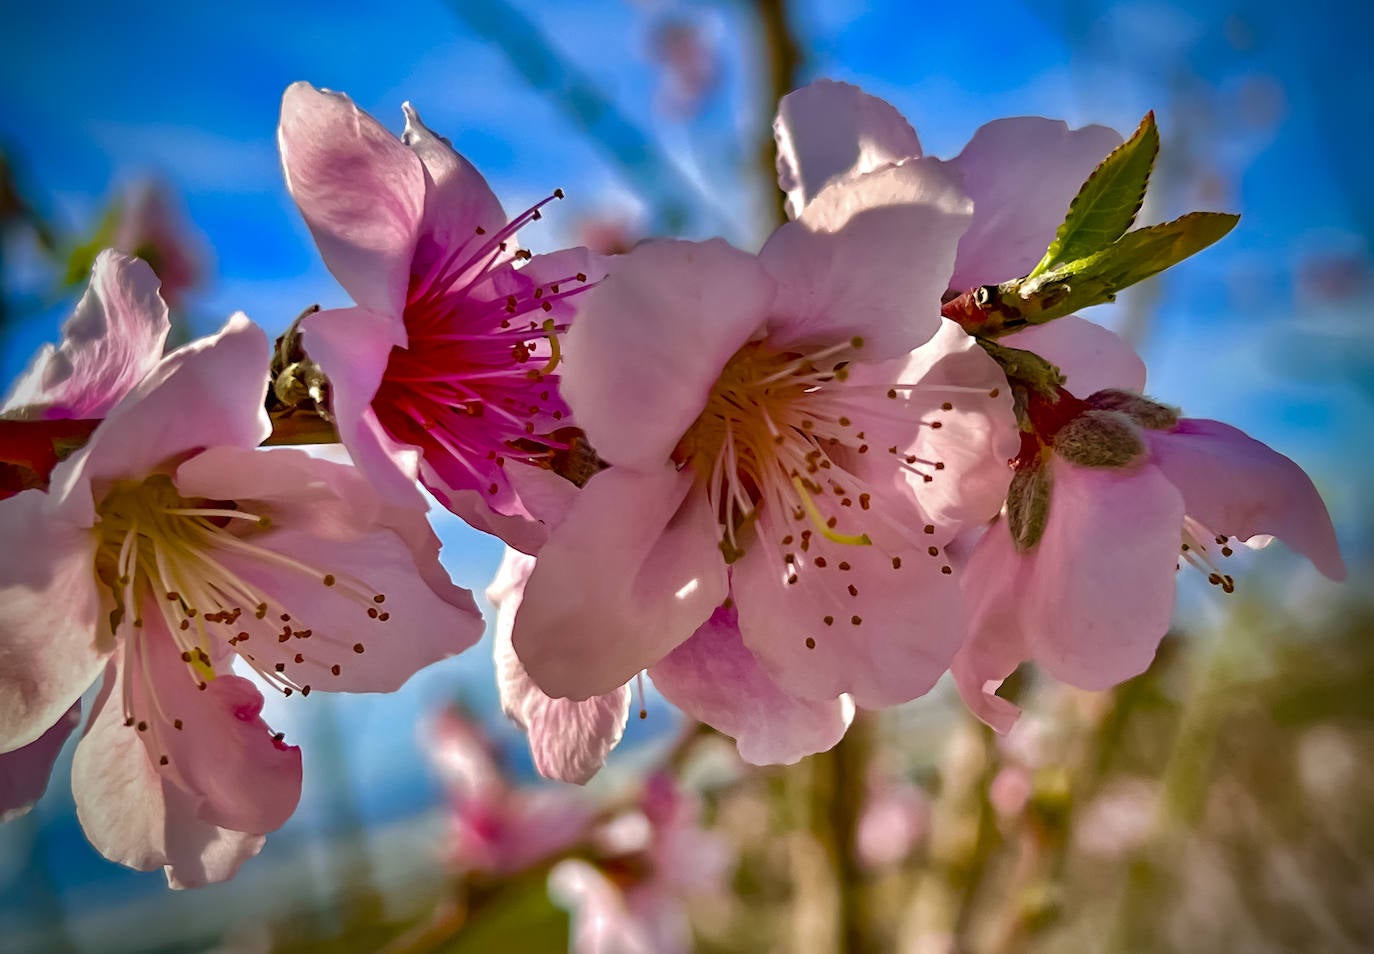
[(476, 386)]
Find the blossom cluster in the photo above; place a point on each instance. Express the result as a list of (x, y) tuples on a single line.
[(784, 484)]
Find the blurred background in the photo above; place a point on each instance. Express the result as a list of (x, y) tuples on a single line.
[(1224, 801)]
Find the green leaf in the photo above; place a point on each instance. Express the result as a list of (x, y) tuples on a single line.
[(1098, 277), (1108, 202)]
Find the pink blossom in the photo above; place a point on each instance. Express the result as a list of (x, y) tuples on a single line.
[(1021, 173), (1080, 576), (151, 227), (112, 339), (632, 901), (447, 366), (498, 829), (775, 440), (895, 818), (712, 677), (167, 546)]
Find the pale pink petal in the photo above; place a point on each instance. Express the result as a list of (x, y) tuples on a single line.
[(1239, 487), (569, 740), (24, 772), (318, 497), (372, 654), (894, 619), (55, 641), (113, 338), (1021, 174), (960, 473), (458, 200), (651, 340), (601, 924), (631, 572), (326, 519), (827, 131), (1090, 356), (134, 816), (869, 257), (223, 754), (464, 756), (361, 191), (993, 583), (1100, 589), (715, 679), (352, 347), (209, 392)]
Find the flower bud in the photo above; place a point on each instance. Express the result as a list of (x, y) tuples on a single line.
[(1100, 439), (1146, 413), (1028, 505)]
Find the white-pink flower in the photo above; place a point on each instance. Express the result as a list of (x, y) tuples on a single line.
[(660, 857), (498, 829), (1021, 173), (447, 368), (776, 441), (166, 547), (1129, 492), (712, 677)]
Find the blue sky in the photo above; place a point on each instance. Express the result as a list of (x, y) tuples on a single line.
[(92, 94)]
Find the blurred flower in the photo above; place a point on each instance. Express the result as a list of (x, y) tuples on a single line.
[(633, 899), (150, 227), (447, 367), (688, 54), (609, 235), (498, 829), (166, 545), (894, 820), (776, 441), (1080, 575), (1119, 820)]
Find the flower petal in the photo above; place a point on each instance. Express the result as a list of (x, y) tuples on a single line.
[(715, 679), (458, 200), (895, 618), (827, 131), (1237, 486), (868, 257), (352, 347), (222, 754), (326, 517), (113, 338), (134, 816), (996, 644), (1092, 357), (49, 612), (24, 772), (569, 739), (207, 392), (959, 472), (651, 340), (359, 189), (631, 572), (1100, 590), (1021, 174)]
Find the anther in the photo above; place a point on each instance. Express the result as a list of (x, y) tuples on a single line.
[(358, 648), (855, 620), (810, 643)]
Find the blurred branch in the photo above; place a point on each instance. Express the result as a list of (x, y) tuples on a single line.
[(650, 171), (782, 59)]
